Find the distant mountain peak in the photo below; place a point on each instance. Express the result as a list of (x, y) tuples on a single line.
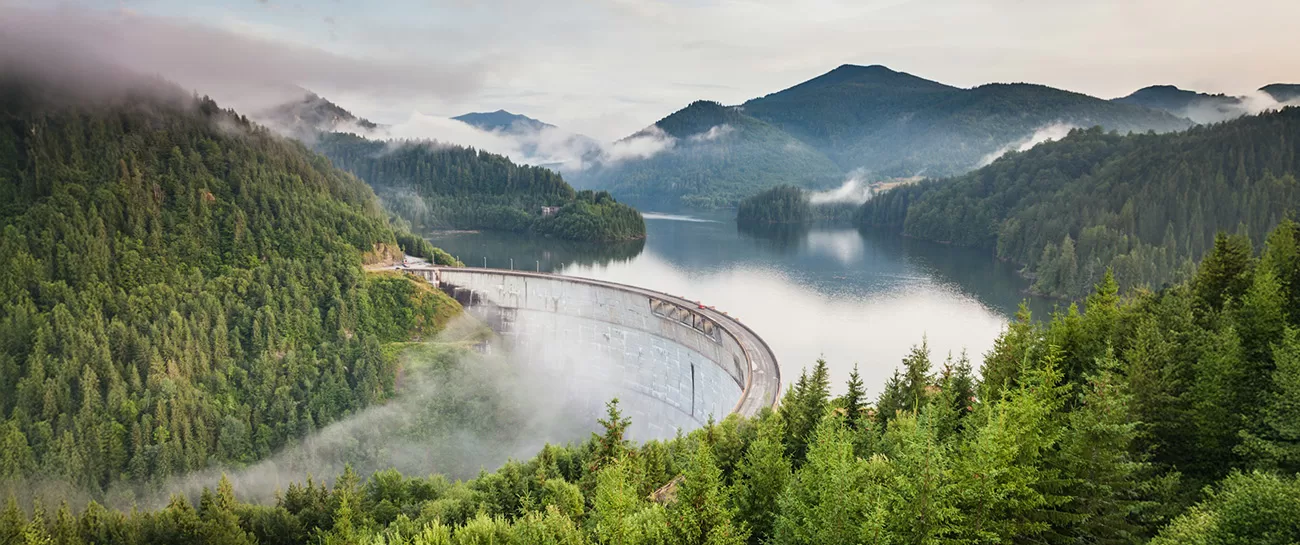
[(1199, 107), (502, 120), (312, 114), (878, 68), (1282, 92)]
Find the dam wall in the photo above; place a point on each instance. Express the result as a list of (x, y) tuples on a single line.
[(672, 363)]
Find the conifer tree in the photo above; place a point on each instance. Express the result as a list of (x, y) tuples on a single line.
[(12, 523), (854, 399), (921, 499), (700, 514), (1224, 275), (761, 478), (1275, 444), (891, 401), (916, 377), (1108, 485), (830, 498)]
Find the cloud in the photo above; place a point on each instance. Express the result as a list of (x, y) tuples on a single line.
[(456, 412), (642, 145), (553, 147), (238, 69), (714, 133), (854, 190), (1046, 133)]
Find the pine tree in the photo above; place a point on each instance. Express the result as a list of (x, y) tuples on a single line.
[(808, 402), (1282, 257), (854, 400), (830, 499), (12, 523), (1224, 275), (220, 523), (1007, 493), (891, 401), (1276, 444), (916, 377), (1107, 483), (1001, 367), (761, 478), (614, 503), (921, 497), (611, 445), (700, 514)]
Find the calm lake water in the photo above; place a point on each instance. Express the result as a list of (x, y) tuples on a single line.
[(846, 295)]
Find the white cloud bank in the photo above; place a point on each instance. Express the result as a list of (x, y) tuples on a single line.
[(1046, 133)]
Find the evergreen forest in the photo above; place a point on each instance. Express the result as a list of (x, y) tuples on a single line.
[(1147, 207), (789, 205), (182, 289), (1164, 417), (438, 186)]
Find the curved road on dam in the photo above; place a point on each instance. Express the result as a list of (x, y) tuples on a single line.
[(763, 386)]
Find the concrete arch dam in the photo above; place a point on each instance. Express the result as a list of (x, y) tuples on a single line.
[(671, 363)]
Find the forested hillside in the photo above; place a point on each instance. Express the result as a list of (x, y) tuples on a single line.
[(502, 120), (1282, 92), (788, 205), (1198, 107), (181, 288), (310, 115), (1164, 418), (882, 123), (434, 185), (1146, 206), (894, 124), (719, 155)]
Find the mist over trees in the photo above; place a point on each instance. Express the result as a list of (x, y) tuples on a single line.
[(1145, 206), (789, 205), (1163, 417), (182, 288), (719, 155), (436, 186)]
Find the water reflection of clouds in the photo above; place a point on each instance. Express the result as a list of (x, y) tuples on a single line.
[(845, 245), (801, 322), (675, 217)]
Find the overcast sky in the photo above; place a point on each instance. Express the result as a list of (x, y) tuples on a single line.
[(610, 67)]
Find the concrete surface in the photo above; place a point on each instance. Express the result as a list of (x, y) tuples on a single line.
[(672, 363)]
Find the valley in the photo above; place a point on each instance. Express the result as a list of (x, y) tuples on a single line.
[(649, 273)]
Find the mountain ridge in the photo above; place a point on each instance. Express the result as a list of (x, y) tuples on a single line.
[(502, 120)]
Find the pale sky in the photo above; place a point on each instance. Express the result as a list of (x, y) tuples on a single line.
[(610, 67)]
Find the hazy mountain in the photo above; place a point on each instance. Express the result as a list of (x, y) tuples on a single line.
[(1198, 107), (312, 114), (714, 156), (869, 120), (539, 143), (1145, 206), (1283, 92), (895, 124), (502, 120)]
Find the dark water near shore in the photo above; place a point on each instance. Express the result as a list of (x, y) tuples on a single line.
[(843, 294)]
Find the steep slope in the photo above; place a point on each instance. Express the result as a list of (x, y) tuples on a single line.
[(894, 124), (716, 156), (502, 120), (1283, 92), (1144, 205), (1198, 107), (179, 287), (435, 185), (539, 143), (312, 114), (832, 110)]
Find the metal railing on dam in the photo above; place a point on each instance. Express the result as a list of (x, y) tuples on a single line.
[(672, 362)]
